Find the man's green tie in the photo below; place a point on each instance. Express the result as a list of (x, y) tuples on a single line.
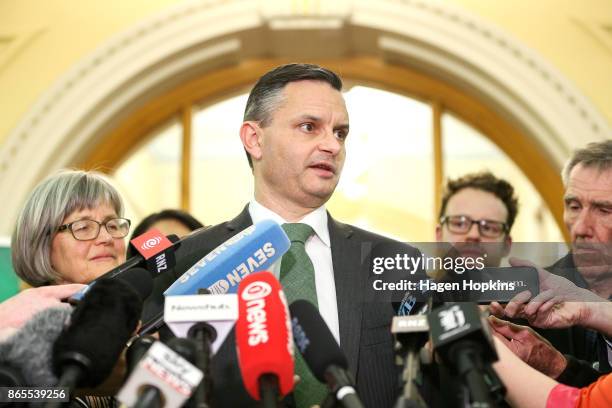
[(298, 280)]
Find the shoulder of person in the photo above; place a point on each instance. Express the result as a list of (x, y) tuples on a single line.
[(376, 239)]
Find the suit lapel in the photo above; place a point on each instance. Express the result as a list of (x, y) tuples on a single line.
[(349, 288), (346, 260), (241, 221)]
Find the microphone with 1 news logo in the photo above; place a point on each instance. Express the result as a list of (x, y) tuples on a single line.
[(461, 338)]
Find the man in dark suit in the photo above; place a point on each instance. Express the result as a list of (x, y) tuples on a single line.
[(588, 217), (294, 131)]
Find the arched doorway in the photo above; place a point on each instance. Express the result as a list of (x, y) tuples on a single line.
[(432, 40)]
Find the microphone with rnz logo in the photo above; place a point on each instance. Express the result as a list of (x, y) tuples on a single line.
[(322, 354), (156, 254), (264, 340), (461, 337), (411, 333), (156, 249)]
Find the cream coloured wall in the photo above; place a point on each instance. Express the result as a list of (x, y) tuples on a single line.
[(117, 73), (574, 36), (40, 41)]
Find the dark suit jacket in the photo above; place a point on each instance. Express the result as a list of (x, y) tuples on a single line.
[(573, 342), (365, 336)]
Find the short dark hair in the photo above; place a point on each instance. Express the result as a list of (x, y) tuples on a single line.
[(596, 154), (181, 216), (266, 94), (484, 181)]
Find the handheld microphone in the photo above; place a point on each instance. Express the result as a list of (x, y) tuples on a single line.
[(161, 378), (188, 349), (463, 341), (11, 377), (136, 351), (264, 340), (411, 333), (86, 351), (213, 314), (253, 249), (139, 280), (321, 352), (156, 254), (390, 263), (205, 319), (27, 353)]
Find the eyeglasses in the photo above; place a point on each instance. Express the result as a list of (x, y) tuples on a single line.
[(461, 224), (86, 230)]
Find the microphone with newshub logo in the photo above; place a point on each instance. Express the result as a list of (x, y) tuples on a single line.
[(461, 337), (264, 340), (216, 312), (205, 319)]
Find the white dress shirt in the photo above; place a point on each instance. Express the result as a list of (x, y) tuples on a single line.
[(318, 248)]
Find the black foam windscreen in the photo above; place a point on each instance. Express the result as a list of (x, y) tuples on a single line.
[(11, 377), (101, 325), (314, 339), (140, 280), (28, 351), (186, 348), (136, 351)]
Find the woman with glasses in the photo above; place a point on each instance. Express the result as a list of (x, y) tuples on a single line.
[(71, 230)]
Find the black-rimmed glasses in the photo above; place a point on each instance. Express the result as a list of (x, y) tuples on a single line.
[(86, 230), (461, 224)]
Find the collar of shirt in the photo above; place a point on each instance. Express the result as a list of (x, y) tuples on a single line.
[(318, 248), (317, 219)]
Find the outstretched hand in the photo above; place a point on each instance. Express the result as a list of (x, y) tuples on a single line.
[(17, 310), (559, 304), (530, 347)]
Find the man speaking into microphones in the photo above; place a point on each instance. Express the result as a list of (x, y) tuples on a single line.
[(294, 133)]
